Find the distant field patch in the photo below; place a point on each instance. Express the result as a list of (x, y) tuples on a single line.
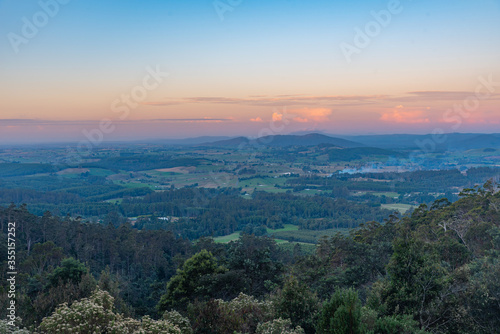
[(136, 185), (180, 170), (403, 208), (305, 248), (286, 228), (267, 184), (386, 194), (288, 234), (307, 236), (73, 171), (310, 192), (100, 172), (228, 238), (115, 201)]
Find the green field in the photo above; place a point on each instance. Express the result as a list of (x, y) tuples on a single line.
[(228, 238), (403, 208), (135, 185), (287, 228), (234, 236), (263, 184), (386, 194), (288, 234), (308, 236), (305, 248), (312, 192), (115, 200), (100, 172)]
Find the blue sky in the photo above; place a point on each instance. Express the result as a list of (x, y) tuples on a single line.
[(91, 51)]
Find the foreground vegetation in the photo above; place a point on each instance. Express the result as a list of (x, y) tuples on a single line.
[(435, 271)]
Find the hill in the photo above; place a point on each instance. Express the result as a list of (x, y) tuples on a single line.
[(478, 141), (311, 139), (452, 141)]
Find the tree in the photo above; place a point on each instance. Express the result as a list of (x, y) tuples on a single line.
[(71, 271), (178, 320), (96, 315), (6, 328), (42, 257), (278, 326), (341, 314), (185, 285), (375, 323), (257, 260), (483, 294), (240, 315), (297, 303), (418, 284)]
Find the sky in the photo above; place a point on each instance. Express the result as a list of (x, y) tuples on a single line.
[(125, 70)]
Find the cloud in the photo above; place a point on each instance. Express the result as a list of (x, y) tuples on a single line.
[(318, 114), (436, 96), (301, 120), (161, 104), (441, 95), (257, 119), (39, 122), (311, 114), (279, 100), (277, 117), (205, 119), (400, 114), (18, 121), (424, 98), (14, 122)]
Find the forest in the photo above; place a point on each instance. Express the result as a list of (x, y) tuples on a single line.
[(435, 270)]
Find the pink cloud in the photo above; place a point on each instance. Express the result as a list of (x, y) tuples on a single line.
[(400, 114), (277, 117), (301, 120), (312, 114)]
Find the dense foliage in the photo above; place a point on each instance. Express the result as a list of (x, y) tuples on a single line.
[(434, 271)]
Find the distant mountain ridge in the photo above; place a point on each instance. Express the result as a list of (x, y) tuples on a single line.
[(449, 141), (311, 139), (452, 141), (187, 141)]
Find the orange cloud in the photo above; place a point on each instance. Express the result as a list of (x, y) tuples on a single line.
[(312, 114), (301, 120), (400, 114), (277, 117), (257, 119), (276, 101)]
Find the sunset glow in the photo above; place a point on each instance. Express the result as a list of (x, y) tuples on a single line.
[(432, 65)]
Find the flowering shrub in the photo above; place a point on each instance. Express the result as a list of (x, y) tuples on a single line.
[(150, 326), (278, 326), (177, 319), (95, 315), (9, 329), (243, 303), (241, 315)]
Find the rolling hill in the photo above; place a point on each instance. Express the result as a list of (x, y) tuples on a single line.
[(312, 139)]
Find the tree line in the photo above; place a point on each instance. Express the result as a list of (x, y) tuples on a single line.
[(434, 271)]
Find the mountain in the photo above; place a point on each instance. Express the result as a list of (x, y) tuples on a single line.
[(187, 141), (311, 139), (479, 141), (449, 141), (227, 143)]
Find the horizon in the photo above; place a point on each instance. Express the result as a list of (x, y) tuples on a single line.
[(215, 138), (156, 70)]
